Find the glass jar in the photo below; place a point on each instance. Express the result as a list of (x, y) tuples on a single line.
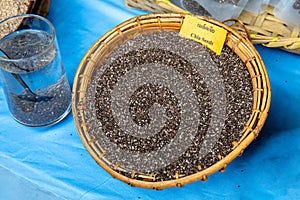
[(33, 78)]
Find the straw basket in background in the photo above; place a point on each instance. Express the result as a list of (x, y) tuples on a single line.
[(9, 8), (159, 23), (264, 28)]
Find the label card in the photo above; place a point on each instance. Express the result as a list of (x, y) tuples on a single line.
[(204, 32)]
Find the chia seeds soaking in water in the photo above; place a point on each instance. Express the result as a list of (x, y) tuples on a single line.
[(33, 78)]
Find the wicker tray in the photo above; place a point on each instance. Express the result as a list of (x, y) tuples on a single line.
[(84, 105), (265, 28)]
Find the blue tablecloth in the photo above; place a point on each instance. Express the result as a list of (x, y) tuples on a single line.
[(52, 163)]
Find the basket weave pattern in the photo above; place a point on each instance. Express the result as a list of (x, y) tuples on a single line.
[(270, 31), (149, 5)]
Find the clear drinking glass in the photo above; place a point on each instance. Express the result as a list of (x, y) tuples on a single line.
[(32, 75)]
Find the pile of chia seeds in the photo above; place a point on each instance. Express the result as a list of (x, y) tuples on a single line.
[(195, 8), (233, 2), (296, 5), (165, 106)]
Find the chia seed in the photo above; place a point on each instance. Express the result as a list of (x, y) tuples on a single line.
[(167, 106)]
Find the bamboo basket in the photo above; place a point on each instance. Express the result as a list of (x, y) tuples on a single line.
[(163, 22), (264, 28)]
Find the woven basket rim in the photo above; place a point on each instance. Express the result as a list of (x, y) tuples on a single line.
[(242, 46)]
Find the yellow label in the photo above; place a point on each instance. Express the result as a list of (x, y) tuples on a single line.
[(204, 32)]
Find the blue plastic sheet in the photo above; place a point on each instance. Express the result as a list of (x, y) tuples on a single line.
[(52, 163)]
